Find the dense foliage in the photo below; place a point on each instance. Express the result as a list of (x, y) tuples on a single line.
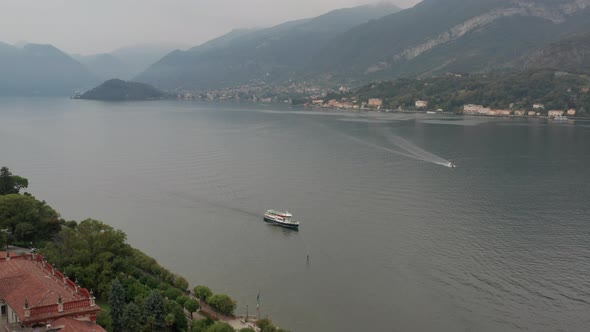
[(450, 92), (96, 254), (220, 326), (266, 325), (570, 54), (117, 303), (26, 220), (202, 292), (222, 303), (155, 311)]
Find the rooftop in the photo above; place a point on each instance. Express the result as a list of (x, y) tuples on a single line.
[(28, 278)]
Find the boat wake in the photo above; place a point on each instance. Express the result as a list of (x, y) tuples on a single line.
[(409, 150), (415, 151)]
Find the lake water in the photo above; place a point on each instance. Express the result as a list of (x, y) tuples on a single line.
[(500, 243)]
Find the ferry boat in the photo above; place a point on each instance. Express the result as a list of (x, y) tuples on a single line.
[(281, 219)]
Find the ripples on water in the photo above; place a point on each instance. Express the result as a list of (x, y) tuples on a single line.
[(498, 244)]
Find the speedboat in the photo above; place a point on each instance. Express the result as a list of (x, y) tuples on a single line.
[(281, 219)]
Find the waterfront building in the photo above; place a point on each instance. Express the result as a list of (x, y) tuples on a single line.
[(375, 102), (421, 103), (477, 109), (554, 113)]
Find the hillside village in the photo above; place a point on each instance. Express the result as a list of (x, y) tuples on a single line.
[(448, 94)]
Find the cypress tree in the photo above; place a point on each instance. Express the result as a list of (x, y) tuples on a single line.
[(155, 311), (6, 182), (132, 318), (117, 303)]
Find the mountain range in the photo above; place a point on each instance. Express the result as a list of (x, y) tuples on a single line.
[(351, 46), (267, 55), (366, 43), (438, 36), (28, 69), (126, 62), (41, 70)]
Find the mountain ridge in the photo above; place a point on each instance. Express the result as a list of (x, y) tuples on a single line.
[(40, 69), (447, 21), (269, 55), (431, 38)]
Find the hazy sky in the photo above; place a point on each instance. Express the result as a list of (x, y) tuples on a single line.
[(95, 26)]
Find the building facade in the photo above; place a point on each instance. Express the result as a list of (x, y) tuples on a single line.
[(375, 102), (34, 293), (554, 113)]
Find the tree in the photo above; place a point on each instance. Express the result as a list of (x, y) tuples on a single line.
[(93, 252), (202, 292), (170, 321), (172, 293), (222, 303), (266, 325), (105, 321), (220, 326), (182, 300), (180, 323), (192, 305), (19, 183), (201, 325), (117, 303), (132, 318), (27, 218), (247, 329), (11, 184), (155, 311)]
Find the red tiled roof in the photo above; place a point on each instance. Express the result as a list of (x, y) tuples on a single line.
[(74, 325), (22, 278)]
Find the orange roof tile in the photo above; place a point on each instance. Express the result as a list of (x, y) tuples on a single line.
[(22, 278)]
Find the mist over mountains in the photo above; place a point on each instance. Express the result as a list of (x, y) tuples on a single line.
[(349, 46), (363, 44), (438, 36), (272, 55), (126, 62), (41, 70)]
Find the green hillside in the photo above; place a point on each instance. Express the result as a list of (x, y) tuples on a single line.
[(267, 55), (449, 35), (556, 90), (118, 90), (569, 54)]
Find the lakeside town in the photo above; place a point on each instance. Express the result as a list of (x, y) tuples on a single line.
[(308, 95)]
